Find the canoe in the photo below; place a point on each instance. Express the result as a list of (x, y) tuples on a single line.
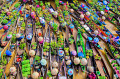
[(114, 52), (73, 53), (97, 54), (103, 69), (57, 14), (113, 63), (60, 15), (68, 60), (91, 65), (54, 59), (29, 36), (80, 49), (67, 18), (39, 13), (49, 19), (45, 53)]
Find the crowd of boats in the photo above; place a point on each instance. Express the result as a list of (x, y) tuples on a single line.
[(42, 41)]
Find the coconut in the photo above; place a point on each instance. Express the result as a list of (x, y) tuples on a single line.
[(31, 52), (12, 69), (54, 64), (83, 61), (35, 75), (54, 71), (76, 61), (88, 13)]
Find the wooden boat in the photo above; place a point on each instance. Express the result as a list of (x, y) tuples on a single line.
[(36, 46), (72, 47), (112, 63), (67, 18), (59, 17), (81, 49), (29, 30), (114, 52), (49, 19), (29, 37), (98, 59), (41, 17), (45, 53), (23, 57), (91, 65), (98, 70), (33, 49), (53, 59), (5, 58), (68, 60)]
